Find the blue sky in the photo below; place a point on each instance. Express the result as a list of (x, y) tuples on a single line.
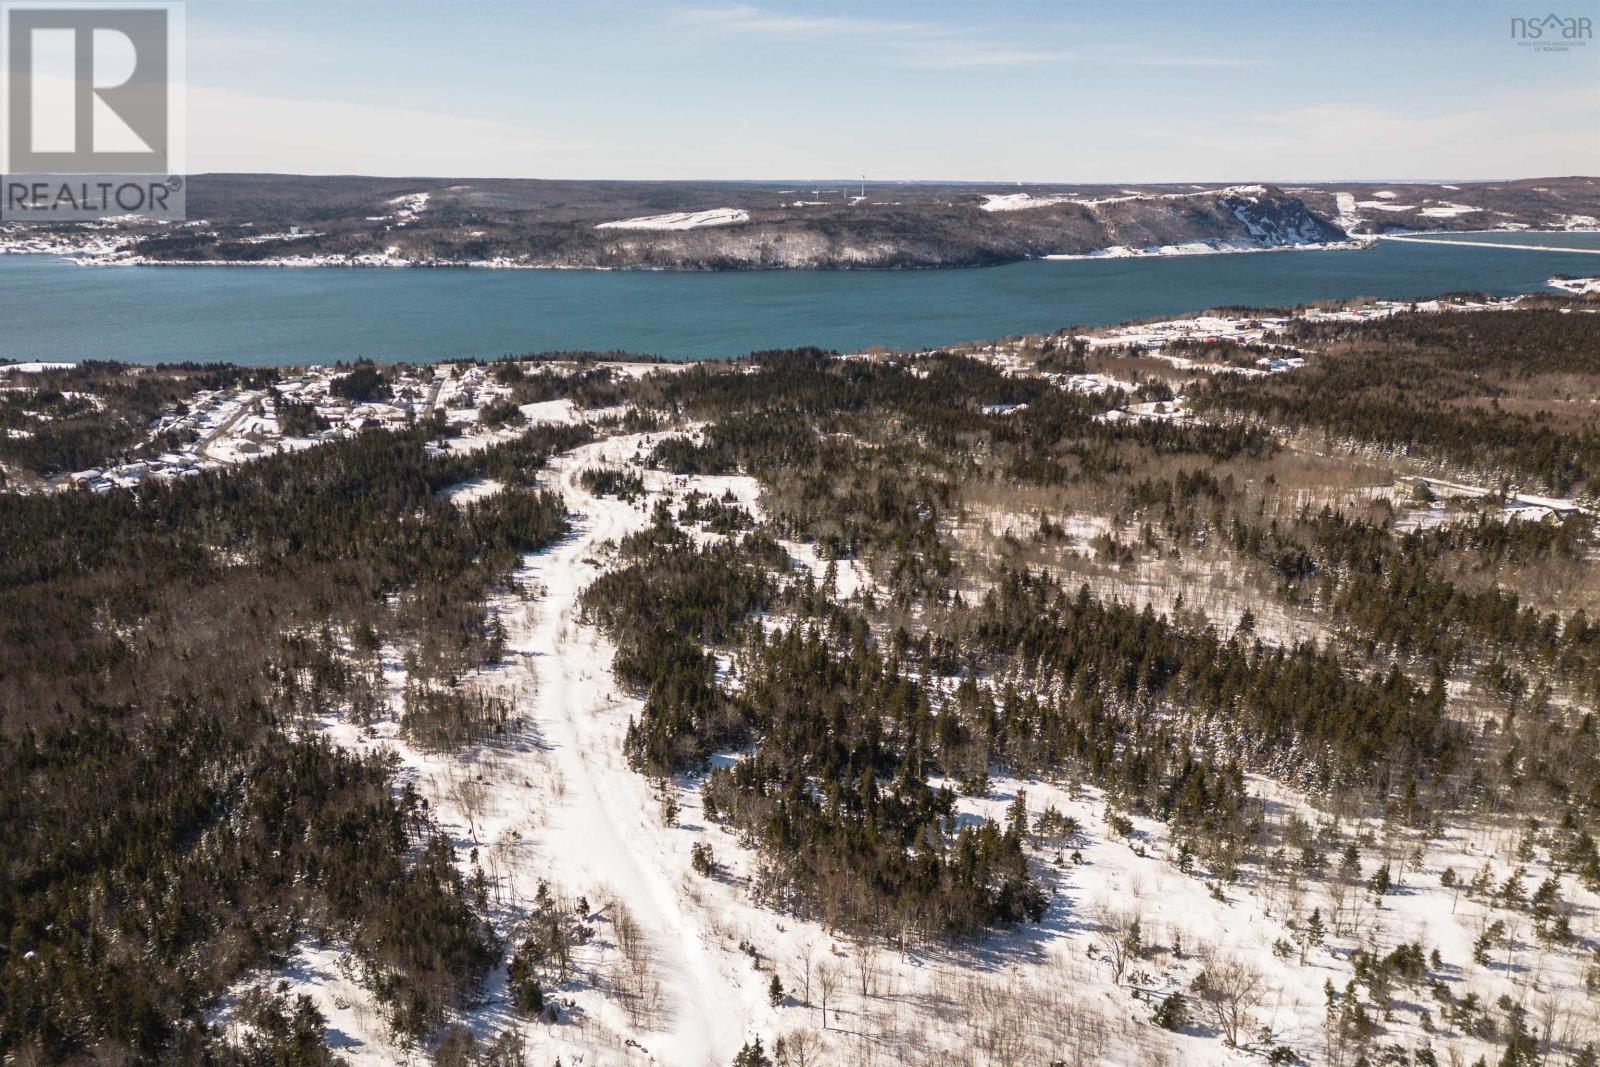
[(1027, 91)]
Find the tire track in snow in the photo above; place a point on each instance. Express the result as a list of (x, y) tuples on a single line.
[(605, 828)]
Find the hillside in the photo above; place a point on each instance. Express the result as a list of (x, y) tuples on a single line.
[(737, 226), (1211, 690)]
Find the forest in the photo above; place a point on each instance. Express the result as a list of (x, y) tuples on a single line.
[(170, 816), (1027, 702)]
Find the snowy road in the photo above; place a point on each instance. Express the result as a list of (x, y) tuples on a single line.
[(607, 831), (559, 804)]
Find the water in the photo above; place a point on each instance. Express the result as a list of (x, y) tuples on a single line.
[(1575, 239), (54, 310)]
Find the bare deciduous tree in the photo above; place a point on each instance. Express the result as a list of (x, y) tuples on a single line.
[(800, 973), (867, 965), (1229, 991), (1117, 939), (828, 975), (799, 1048)]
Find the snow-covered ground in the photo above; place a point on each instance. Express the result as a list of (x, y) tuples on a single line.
[(1028, 201), (681, 220), (1514, 500), (1024, 201), (1258, 330), (605, 835), (33, 368), (557, 802), (406, 209), (226, 427), (1188, 248), (1348, 217), (471, 492), (1201, 328), (1207, 248)]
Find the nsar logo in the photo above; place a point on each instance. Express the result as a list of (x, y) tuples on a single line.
[(1552, 32)]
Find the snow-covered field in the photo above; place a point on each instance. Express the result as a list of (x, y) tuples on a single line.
[(1028, 201), (681, 220), (1348, 218), (1024, 201), (406, 209), (33, 368)]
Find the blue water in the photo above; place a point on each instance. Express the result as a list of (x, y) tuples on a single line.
[(1556, 239), (51, 309)]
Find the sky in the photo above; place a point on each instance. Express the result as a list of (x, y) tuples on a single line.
[(1003, 91)]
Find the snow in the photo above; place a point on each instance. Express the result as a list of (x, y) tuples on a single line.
[(1577, 286), (1191, 328), (1348, 218), (1094, 384), (605, 832), (1550, 503), (562, 412), (640, 370), (1187, 248), (557, 801), (1153, 411), (271, 238), (1028, 201), (681, 220), (1447, 210), (560, 803), (1517, 504), (354, 1028), (1023, 201), (850, 575), (1273, 230), (409, 206), (33, 368), (1500, 245), (471, 492), (1429, 517), (1205, 248)]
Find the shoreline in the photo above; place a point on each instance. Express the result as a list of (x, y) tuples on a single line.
[(1423, 239), (1206, 248), (88, 259), (100, 257)]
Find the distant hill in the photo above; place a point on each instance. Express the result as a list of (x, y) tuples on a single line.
[(818, 225)]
